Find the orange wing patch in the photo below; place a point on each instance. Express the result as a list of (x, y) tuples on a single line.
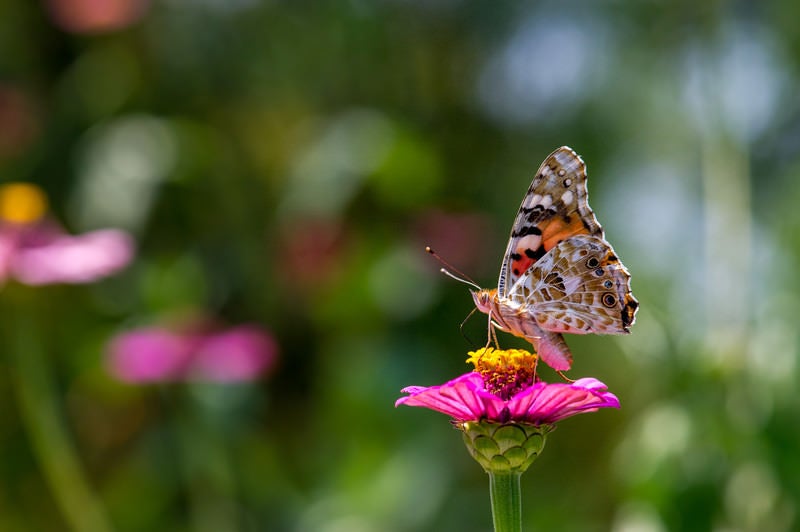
[(559, 229), (554, 208), (534, 241)]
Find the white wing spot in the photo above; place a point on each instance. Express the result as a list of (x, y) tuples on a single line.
[(531, 242), (546, 201), (567, 182), (562, 173), (536, 199), (567, 197)]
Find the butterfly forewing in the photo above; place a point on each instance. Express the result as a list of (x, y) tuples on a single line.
[(554, 208)]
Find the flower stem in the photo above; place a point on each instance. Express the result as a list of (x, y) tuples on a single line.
[(506, 501), (51, 445)]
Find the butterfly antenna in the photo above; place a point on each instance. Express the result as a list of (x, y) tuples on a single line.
[(449, 270)]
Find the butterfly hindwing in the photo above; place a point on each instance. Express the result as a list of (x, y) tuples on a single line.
[(578, 287), (554, 208)]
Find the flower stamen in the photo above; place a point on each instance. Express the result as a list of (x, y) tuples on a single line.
[(504, 371)]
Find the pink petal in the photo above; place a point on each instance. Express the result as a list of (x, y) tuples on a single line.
[(591, 384), (466, 399), (238, 354), (462, 398), (548, 403), (7, 249), (149, 355), (74, 259)]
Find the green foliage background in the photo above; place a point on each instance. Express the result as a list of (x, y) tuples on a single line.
[(285, 163)]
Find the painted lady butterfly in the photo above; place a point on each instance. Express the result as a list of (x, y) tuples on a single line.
[(559, 274)]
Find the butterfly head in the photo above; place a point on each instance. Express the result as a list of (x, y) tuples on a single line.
[(483, 299)]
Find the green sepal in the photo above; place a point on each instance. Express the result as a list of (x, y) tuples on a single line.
[(504, 447)]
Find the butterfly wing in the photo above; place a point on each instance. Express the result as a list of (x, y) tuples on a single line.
[(579, 287), (555, 208)]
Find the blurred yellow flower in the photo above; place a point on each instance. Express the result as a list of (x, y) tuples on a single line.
[(22, 203)]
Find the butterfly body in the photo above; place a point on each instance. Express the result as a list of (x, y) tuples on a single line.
[(559, 274)]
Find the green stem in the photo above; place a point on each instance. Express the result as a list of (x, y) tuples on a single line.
[(51, 445), (206, 466), (506, 501)]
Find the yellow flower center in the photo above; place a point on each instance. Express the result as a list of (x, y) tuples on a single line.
[(21, 203), (504, 371)]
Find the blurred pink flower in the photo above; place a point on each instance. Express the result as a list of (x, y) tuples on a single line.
[(240, 353), (311, 253), (505, 389), (456, 236), (41, 258), (36, 251), (96, 16), (154, 354), (150, 354)]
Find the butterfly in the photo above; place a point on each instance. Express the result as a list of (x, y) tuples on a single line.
[(559, 274)]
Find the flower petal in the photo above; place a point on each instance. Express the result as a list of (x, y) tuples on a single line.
[(548, 403), (591, 384), (6, 253), (462, 398), (149, 355), (73, 259), (238, 354)]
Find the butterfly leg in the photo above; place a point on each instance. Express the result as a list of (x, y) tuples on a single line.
[(561, 374), (461, 327), (491, 333), (535, 374), (494, 337)]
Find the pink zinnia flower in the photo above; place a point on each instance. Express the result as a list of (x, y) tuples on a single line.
[(155, 354), (504, 389), (36, 251), (504, 410)]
